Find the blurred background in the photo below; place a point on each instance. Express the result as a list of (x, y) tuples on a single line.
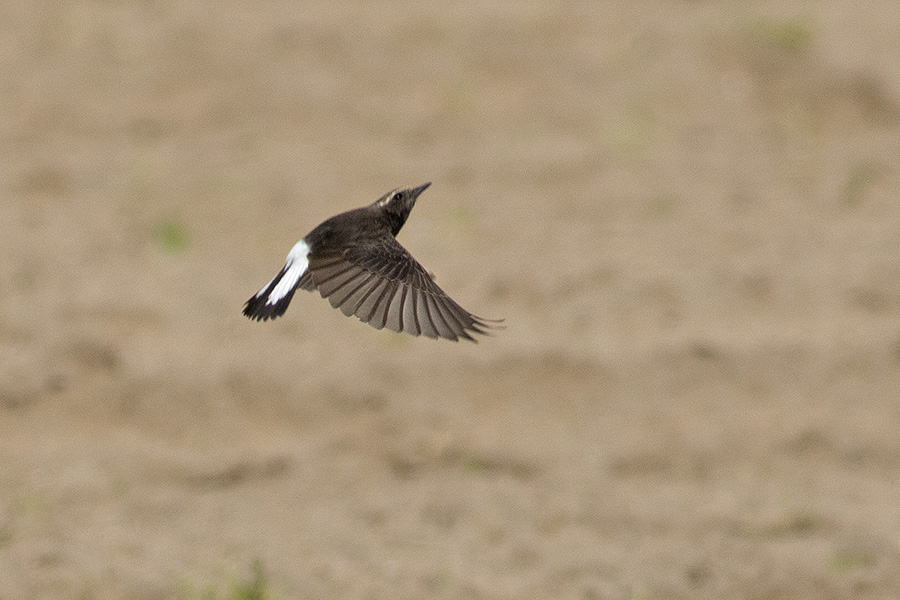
[(686, 212)]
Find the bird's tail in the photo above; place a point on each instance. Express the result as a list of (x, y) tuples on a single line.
[(271, 301)]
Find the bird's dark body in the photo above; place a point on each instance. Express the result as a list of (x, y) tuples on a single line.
[(354, 260), (360, 226)]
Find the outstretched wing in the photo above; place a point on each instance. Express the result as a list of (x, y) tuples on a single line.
[(384, 286)]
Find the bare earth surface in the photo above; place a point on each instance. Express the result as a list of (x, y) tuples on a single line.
[(687, 212)]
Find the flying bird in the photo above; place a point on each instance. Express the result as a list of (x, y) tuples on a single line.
[(354, 260)]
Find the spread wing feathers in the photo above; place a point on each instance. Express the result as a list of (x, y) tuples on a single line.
[(306, 282), (387, 287)]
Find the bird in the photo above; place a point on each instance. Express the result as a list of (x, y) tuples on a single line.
[(355, 261)]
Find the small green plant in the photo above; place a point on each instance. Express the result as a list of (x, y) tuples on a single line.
[(793, 36), (256, 587), (171, 234)]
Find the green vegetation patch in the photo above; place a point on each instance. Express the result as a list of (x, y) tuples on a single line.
[(793, 36), (171, 234)]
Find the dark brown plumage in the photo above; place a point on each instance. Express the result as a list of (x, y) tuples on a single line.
[(354, 260)]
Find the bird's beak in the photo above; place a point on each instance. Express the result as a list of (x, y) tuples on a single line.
[(414, 193)]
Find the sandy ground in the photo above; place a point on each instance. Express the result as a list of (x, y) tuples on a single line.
[(687, 213)]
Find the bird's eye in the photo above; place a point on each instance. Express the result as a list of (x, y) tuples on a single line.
[(398, 197)]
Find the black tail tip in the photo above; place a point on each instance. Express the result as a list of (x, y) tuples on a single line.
[(258, 309)]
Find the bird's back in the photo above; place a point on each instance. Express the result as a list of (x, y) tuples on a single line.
[(357, 226)]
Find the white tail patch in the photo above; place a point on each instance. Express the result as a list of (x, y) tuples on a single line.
[(295, 267)]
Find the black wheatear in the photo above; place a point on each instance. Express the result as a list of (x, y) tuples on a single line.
[(355, 261)]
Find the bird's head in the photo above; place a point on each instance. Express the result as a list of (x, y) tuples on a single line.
[(398, 203)]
